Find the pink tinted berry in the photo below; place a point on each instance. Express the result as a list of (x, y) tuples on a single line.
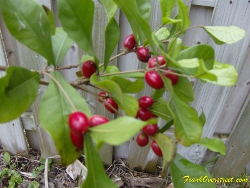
[(150, 129), (88, 68), (102, 96), (96, 120), (129, 42), (143, 54), (152, 61), (142, 139), (76, 139), (112, 103), (78, 122), (146, 102), (153, 79), (173, 77), (156, 148), (144, 114)]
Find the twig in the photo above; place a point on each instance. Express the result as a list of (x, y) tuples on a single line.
[(46, 173), (68, 67)]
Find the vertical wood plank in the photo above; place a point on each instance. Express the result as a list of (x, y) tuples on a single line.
[(211, 98)]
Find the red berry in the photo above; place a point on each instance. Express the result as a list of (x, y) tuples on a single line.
[(152, 61), (78, 122), (112, 103), (97, 120), (150, 129), (144, 114), (88, 68), (142, 140), (129, 42), (145, 102), (102, 95), (156, 148), (173, 77), (77, 139), (143, 54), (154, 79)]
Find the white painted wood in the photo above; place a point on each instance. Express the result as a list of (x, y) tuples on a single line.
[(209, 3), (212, 99)]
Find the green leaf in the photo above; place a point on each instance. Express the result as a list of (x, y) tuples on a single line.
[(158, 94), (61, 44), (168, 147), (128, 86), (118, 131), (160, 108), (183, 172), (166, 9), (162, 33), (214, 144), (77, 21), (86, 58), (132, 75), (144, 7), (6, 157), (137, 23), (187, 126), (110, 8), (166, 126), (108, 70), (222, 74), (110, 86), (53, 115), (18, 90), (202, 118), (130, 105), (202, 51), (28, 23), (96, 175), (183, 15), (222, 34), (174, 47), (51, 19), (112, 37), (184, 89)]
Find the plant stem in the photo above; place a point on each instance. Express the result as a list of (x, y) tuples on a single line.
[(68, 67), (124, 72), (61, 88), (174, 73)]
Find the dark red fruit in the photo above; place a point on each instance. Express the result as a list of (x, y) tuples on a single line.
[(146, 102), (153, 79), (77, 139), (156, 148), (112, 103), (150, 129), (152, 61), (144, 114), (88, 68), (102, 95), (142, 139), (78, 122), (129, 42), (143, 54), (173, 77), (97, 120)]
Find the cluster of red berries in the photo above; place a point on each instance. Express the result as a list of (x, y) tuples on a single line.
[(108, 102), (152, 77), (79, 124), (144, 114)]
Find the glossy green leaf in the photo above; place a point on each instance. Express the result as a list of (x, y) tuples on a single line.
[(131, 11), (202, 51), (166, 9), (110, 8), (118, 131), (18, 90), (162, 33), (53, 115), (222, 74), (110, 86), (130, 105), (131, 74), (214, 144), (51, 19), (174, 47), (184, 89), (187, 126), (183, 15), (28, 23), (202, 118), (61, 44), (168, 148), (183, 171), (76, 18), (128, 86), (112, 37), (222, 34), (96, 175), (108, 70), (160, 108), (158, 94)]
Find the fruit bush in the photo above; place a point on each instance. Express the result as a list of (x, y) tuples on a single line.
[(170, 65)]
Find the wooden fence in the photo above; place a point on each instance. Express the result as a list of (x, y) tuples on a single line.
[(226, 108)]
